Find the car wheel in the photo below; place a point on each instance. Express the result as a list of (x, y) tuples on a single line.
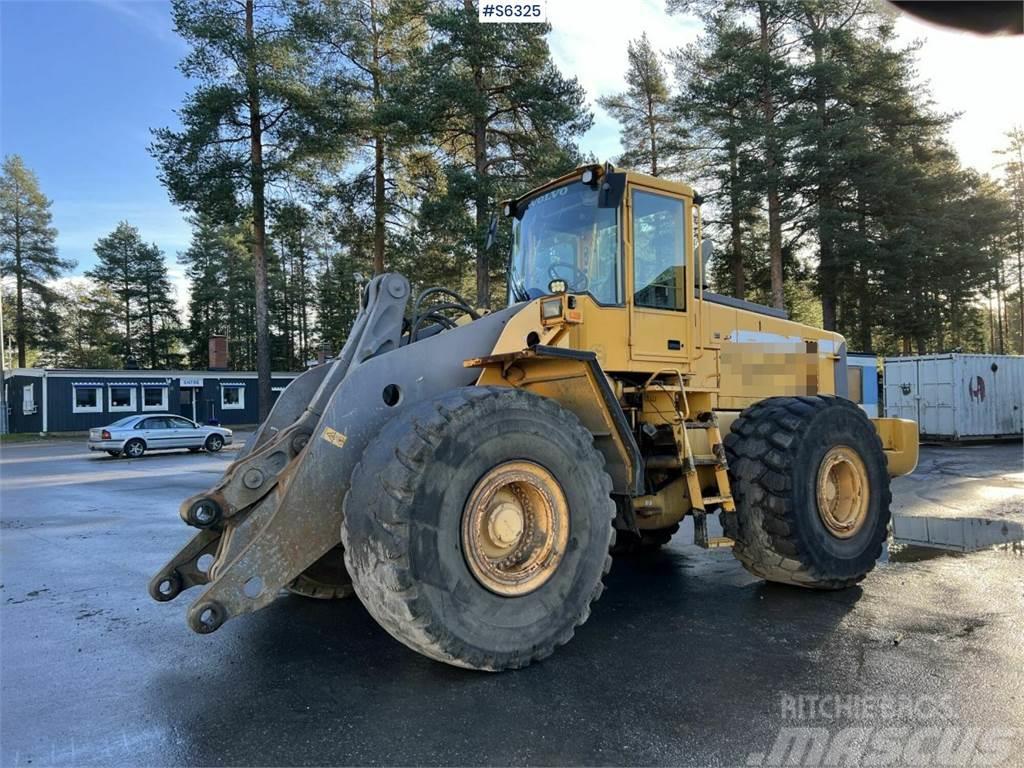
[(115, 454), (214, 443), (133, 449)]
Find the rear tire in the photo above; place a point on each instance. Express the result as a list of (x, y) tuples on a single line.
[(134, 449), (326, 579), (812, 495), (412, 528)]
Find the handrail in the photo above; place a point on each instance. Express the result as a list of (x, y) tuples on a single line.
[(699, 258)]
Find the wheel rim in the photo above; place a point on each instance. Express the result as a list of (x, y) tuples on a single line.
[(134, 450), (215, 443), (843, 492), (515, 528)]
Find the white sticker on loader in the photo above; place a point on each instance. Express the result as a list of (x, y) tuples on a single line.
[(334, 437)]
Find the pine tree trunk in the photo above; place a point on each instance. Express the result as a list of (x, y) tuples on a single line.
[(771, 167), (826, 254), (153, 362), (735, 226), (378, 206), (379, 201), (1000, 307), (127, 305), (652, 129), (259, 220), (20, 332), (480, 201)]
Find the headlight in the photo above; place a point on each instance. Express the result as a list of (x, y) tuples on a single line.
[(550, 309)]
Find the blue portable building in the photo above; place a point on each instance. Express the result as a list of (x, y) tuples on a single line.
[(863, 381), (71, 400)]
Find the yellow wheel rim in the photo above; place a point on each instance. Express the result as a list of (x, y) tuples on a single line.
[(515, 528), (842, 492)]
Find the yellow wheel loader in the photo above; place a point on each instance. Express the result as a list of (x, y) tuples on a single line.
[(467, 473)]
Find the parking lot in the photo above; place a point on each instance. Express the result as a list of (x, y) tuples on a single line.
[(686, 659)]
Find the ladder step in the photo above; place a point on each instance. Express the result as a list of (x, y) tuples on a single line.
[(672, 462), (706, 460), (715, 500)]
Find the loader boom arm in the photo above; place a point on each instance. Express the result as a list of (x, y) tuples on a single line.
[(278, 507)]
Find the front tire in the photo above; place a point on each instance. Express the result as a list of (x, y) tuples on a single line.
[(214, 443), (811, 486), (477, 527)]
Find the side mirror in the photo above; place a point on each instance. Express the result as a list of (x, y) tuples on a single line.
[(706, 249), (611, 190)]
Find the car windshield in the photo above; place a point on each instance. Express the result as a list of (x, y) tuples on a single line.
[(124, 422), (563, 235)]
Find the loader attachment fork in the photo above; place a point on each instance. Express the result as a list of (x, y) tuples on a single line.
[(243, 505)]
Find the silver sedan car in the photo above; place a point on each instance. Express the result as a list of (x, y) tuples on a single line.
[(134, 435)]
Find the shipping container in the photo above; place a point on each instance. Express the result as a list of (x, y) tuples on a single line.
[(957, 396)]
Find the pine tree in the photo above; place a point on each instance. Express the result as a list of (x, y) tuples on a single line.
[(1013, 182), (28, 250), (256, 113), (157, 308), (500, 110), (763, 118), (371, 45), (136, 274), (218, 267), (86, 316), (117, 270), (644, 111)]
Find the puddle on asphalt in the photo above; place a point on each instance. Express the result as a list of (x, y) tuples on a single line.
[(895, 552)]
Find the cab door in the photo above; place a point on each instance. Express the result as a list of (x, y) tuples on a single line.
[(658, 277)]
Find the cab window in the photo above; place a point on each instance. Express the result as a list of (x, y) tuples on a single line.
[(659, 254)]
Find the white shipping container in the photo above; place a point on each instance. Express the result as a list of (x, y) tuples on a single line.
[(957, 396)]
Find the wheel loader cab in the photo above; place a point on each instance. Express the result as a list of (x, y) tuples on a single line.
[(623, 244)]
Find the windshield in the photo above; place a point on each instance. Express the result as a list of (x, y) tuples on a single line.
[(563, 235)]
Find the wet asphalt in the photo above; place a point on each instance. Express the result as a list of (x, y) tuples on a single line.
[(686, 659)]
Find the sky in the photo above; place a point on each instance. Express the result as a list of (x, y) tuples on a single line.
[(83, 81)]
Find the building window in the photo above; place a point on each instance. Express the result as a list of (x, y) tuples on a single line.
[(122, 397), (154, 397), (87, 400), (232, 397), (659, 255)]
